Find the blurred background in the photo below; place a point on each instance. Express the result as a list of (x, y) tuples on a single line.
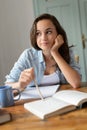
[(16, 17)]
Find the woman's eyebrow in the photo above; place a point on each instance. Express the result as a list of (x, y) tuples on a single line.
[(49, 28), (45, 29)]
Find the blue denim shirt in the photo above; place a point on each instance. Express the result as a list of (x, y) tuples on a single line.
[(26, 60)]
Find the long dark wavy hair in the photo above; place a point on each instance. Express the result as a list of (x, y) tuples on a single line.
[(64, 49)]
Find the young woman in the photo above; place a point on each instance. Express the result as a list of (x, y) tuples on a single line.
[(49, 61)]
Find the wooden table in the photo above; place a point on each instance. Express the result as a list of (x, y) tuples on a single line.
[(24, 120)]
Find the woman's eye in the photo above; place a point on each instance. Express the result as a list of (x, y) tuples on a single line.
[(38, 34), (48, 32)]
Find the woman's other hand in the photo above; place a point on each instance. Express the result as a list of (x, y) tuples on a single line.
[(57, 43)]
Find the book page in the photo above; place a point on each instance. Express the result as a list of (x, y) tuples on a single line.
[(71, 96), (47, 107), (32, 92)]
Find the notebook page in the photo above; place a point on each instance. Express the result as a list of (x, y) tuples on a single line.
[(32, 92)]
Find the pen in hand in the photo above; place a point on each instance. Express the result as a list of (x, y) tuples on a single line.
[(37, 87)]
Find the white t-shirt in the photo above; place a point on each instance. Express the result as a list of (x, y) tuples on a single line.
[(50, 79)]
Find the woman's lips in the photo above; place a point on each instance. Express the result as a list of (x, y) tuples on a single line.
[(44, 43)]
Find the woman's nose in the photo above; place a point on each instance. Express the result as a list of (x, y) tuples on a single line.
[(44, 37)]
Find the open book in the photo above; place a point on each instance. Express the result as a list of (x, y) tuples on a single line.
[(61, 102)]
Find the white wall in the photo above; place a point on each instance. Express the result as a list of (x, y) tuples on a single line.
[(16, 17)]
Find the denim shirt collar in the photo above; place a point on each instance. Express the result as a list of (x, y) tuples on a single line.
[(40, 55)]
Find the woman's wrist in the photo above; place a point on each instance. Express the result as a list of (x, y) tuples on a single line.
[(20, 87), (54, 53)]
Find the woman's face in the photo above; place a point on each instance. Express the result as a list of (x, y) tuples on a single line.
[(45, 34)]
